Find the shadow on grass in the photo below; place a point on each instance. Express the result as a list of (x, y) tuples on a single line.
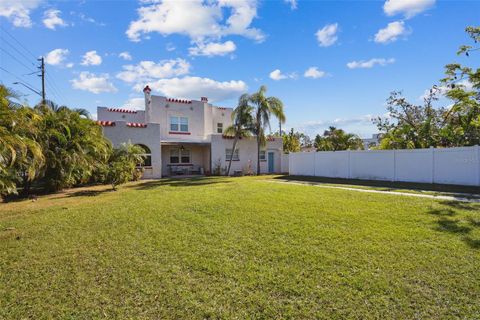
[(87, 193), (386, 185), (179, 182), (462, 228)]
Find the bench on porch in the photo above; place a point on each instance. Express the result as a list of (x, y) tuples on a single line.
[(184, 169)]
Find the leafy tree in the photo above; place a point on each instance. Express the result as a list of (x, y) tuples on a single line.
[(410, 126), (122, 164), (265, 107), (463, 83), (335, 139), (242, 123), (292, 141)]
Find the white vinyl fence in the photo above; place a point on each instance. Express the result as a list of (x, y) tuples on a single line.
[(448, 166)]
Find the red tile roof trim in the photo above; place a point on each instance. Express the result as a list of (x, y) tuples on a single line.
[(222, 108), (121, 110), (106, 123), (136, 125), (179, 101)]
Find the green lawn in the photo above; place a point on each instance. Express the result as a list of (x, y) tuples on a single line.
[(238, 248)]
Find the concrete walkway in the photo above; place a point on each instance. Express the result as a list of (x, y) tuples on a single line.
[(462, 197)]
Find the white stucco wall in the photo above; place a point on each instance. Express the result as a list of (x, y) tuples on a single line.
[(202, 118), (247, 154), (149, 136)]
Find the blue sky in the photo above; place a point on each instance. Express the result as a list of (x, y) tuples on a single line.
[(330, 62)]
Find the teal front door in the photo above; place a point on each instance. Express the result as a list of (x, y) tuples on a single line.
[(271, 167)]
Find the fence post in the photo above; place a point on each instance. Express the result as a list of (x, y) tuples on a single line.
[(432, 151), (478, 164), (349, 167), (394, 165)]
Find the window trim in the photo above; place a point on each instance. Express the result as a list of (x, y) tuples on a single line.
[(219, 127), (264, 152), (236, 154), (178, 123)]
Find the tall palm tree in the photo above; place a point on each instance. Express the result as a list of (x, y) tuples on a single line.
[(264, 108), (242, 122)]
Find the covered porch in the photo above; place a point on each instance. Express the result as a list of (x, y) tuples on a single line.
[(185, 158)]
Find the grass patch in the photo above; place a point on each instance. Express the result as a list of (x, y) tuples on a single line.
[(237, 248)]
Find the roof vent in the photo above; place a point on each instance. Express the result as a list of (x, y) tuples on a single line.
[(147, 90), (204, 99)]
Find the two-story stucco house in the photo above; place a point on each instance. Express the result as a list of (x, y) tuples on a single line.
[(183, 137)]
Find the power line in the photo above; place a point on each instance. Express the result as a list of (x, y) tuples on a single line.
[(14, 58), (21, 53), (19, 78), (21, 45)]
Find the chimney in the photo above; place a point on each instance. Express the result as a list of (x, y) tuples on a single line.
[(148, 101), (204, 99)]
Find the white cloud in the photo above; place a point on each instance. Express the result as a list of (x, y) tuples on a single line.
[(293, 4), (18, 12), (51, 19), (391, 32), (213, 49), (93, 83), (408, 8), (196, 87), (56, 57), (135, 103), (91, 58), (146, 71), (369, 63), (125, 55), (327, 36), (278, 75), (197, 19), (170, 47), (314, 73)]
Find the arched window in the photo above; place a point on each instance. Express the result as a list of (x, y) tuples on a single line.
[(147, 156)]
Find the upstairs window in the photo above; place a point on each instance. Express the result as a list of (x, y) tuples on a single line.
[(179, 124), (228, 154), (219, 127)]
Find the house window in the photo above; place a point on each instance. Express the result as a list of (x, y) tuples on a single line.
[(147, 156), (174, 156), (179, 124), (263, 156), (179, 156), (219, 127), (228, 154)]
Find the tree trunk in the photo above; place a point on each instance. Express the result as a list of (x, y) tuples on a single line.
[(258, 155), (231, 156), (280, 128)]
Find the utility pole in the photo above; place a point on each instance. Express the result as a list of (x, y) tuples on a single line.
[(42, 69)]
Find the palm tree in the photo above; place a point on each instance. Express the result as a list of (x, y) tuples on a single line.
[(264, 108), (336, 139), (242, 121)]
